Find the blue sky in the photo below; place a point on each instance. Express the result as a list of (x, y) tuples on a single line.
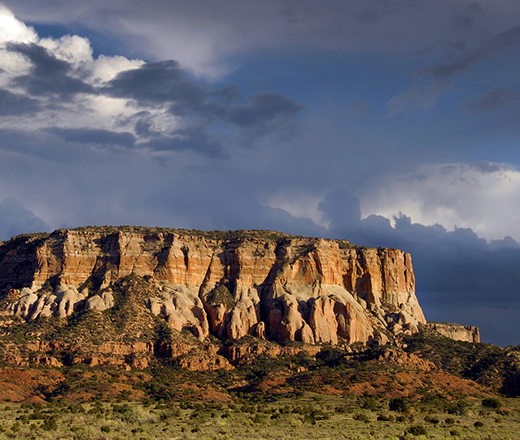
[(388, 123)]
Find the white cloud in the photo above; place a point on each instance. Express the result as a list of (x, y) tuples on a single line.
[(299, 204), (198, 47), (12, 29), (107, 68), (483, 196), (84, 110), (70, 48)]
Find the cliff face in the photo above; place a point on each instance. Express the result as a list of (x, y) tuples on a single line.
[(457, 332), (279, 288)]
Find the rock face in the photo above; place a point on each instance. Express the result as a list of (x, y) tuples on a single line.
[(255, 283), (466, 333)]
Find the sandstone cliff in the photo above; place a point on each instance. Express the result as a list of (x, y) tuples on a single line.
[(228, 285), (457, 332)]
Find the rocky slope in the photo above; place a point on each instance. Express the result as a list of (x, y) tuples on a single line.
[(228, 285)]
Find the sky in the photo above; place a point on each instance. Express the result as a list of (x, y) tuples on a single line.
[(389, 123)]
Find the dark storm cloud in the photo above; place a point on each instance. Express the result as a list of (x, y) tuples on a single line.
[(14, 104), (167, 84), (490, 101), (262, 108), (194, 139), (445, 71), (455, 270), (430, 82), (160, 83), (92, 136), (49, 76), (229, 94), (16, 219), (46, 146)]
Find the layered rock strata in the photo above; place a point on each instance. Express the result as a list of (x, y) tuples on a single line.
[(276, 287)]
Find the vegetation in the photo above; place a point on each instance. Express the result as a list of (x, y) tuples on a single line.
[(308, 416)]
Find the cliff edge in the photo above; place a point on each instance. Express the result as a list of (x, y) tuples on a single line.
[(226, 284)]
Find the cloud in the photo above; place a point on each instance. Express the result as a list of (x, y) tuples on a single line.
[(49, 76), (489, 101), (261, 109), (12, 29), (456, 271), (455, 195), (431, 81), (159, 83), (93, 136), (16, 104), (206, 37), (167, 85), (16, 219), (299, 204), (420, 96), (155, 106), (446, 70), (196, 140), (215, 206)]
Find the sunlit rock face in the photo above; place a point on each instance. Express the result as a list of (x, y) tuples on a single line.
[(457, 332), (229, 285)]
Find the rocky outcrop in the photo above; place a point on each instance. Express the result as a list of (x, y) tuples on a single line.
[(232, 285), (466, 333)]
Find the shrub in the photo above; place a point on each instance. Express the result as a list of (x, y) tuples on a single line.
[(478, 424), (105, 428), (459, 408), (417, 430), (50, 424), (430, 419), (398, 404), (492, 403), (361, 417), (370, 403), (384, 418)]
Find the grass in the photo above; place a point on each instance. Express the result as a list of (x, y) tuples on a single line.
[(309, 416)]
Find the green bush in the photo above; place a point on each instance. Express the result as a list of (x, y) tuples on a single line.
[(417, 430), (385, 418), (49, 424), (399, 404), (370, 403), (361, 417), (492, 403), (431, 419)]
